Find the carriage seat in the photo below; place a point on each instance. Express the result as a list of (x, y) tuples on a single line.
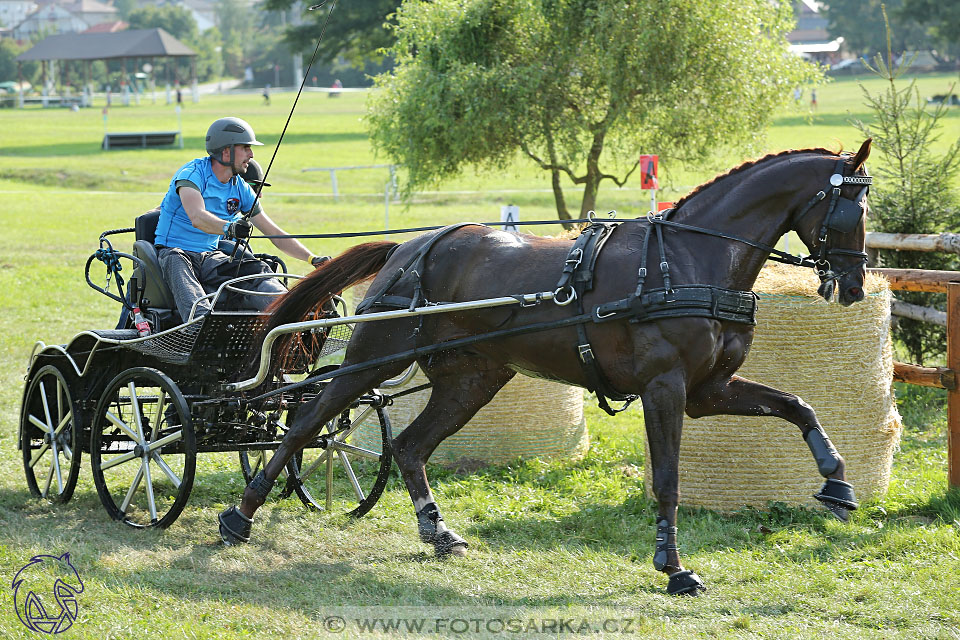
[(156, 293)]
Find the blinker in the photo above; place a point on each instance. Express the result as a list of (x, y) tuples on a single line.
[(847, 214)]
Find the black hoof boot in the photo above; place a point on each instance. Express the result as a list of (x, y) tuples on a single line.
[(837, 496), (447, 543), (234, 526), (685, 583)]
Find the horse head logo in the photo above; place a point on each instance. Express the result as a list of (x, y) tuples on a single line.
[(41, 577)]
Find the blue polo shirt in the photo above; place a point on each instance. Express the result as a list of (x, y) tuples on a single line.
[(225, 201)]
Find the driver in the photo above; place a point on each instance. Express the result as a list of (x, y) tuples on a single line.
[(206, 201)]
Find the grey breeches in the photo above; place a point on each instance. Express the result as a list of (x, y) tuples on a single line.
[(192, 275)]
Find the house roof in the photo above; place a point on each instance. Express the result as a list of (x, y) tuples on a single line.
[(107, 27), (90, 6), (142, 43)]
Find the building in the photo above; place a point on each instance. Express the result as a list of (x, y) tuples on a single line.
[(13, 12), (48, 19), (810, 38)]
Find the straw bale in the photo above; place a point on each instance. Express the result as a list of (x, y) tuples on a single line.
[(529, 417), (840, 361)]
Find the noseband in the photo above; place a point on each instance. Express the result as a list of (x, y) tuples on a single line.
[(843, 216)]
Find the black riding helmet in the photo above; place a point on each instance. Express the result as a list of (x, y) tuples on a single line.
[(254, 174)]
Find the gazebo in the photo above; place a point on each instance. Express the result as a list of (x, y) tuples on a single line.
[(136, 44)]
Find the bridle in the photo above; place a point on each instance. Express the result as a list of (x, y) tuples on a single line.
[(843, 216)]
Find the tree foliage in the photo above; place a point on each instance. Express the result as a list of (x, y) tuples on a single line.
[(580, 87), (357, 29), (913, 193), (915, 24)]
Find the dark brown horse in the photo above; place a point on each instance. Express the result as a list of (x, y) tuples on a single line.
[(718, 237)]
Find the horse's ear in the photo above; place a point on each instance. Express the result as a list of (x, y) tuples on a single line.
[(862, 154)]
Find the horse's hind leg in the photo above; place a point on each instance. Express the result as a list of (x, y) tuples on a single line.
[(462, 385), (739, 396), (236, 523), (663, 403)]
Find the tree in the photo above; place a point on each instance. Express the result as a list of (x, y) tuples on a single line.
[(914, 192), (942, 20), (236, 24), (576, 84), (357, 29), (861, 24), (177, 21)]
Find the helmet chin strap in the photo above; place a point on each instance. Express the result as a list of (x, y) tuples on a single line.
[(233, 160)]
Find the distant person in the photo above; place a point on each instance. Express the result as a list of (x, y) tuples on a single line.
[(207, 201), (179, 97), (266, 94), (337, 85), (813, 99), (797, 94)]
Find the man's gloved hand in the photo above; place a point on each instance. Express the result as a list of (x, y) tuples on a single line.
[(316, 261), (238, 229)]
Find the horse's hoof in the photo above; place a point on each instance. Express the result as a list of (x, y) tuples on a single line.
[(447, 543), (685, 583), (837, 496), (234, 526)]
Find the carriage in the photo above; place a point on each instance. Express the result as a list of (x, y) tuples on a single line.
[(143, 406)]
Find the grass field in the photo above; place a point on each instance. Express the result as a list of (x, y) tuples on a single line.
[(555, 545)]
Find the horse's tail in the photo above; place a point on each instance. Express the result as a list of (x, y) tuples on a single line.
[(313, 293)]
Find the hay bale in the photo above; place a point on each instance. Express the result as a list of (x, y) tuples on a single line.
[(840, 361), (529, 417)]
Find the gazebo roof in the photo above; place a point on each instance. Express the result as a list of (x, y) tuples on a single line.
[(138, 43)]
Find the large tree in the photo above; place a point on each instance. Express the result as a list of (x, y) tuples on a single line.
[(357, 29), (580, 87)]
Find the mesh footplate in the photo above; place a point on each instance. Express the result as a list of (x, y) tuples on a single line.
[(173, 346), (337, 339)]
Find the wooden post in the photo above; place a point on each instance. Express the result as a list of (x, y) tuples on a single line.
[(953, 395)]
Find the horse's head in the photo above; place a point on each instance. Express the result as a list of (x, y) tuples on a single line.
[(831, 224)]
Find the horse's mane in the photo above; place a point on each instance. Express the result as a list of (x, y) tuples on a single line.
[(747, 165)]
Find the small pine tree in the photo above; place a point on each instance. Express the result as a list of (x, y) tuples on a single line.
[(913, 193)]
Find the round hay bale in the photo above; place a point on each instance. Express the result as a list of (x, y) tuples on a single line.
[(529, 417), (840, 361)]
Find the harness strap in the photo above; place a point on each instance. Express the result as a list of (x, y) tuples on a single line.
[(414, 266)]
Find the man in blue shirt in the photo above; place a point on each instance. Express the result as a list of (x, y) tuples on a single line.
[(206, 202)]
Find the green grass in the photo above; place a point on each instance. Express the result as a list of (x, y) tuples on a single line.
[(550, 540)]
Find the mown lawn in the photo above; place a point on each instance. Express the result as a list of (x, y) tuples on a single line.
[(555, 545)]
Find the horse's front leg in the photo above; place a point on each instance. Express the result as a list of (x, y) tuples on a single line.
[(739, 396), (663, 403)]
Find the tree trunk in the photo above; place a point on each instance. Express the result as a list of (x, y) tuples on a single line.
[(592, 179), (562, 212)]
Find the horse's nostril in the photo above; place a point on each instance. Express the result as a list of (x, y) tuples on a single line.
[(855, 292)]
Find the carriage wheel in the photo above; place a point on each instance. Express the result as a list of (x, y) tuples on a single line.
[(142, 449), (253, 461), (349, 475), (49, 436)]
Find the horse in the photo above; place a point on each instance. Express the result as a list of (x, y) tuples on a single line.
[(673, 336)]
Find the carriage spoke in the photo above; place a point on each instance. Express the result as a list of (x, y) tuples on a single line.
[(309, 471), (114, 461), (341, 447), (148, 485), (162, 442), (158, 415), (46, 487), (345, 461), (39, 454), (56, 465), (40, 424), (132, 490), (329, 501), (120, 424), (167, 470), (135, 409)]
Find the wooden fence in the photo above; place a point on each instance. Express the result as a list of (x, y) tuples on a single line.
[(933, 282)]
